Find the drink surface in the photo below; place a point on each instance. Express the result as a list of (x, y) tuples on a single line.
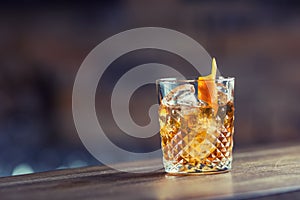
[(196, 136)]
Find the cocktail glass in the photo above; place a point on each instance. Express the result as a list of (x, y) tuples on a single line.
[(196, 120)]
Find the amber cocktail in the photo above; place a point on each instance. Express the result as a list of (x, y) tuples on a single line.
[(196, 124)]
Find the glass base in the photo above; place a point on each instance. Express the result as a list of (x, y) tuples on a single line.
[(188, 169)]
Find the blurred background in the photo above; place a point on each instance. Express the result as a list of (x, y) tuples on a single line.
[(42, 45)]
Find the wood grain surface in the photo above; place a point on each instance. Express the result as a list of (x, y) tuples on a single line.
[(264, 173)]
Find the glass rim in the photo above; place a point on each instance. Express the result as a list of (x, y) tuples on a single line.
[(190, 80)]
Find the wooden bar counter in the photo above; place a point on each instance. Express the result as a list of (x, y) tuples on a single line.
[(270, 172)]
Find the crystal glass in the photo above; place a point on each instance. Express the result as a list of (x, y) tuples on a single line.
[(196, 124)]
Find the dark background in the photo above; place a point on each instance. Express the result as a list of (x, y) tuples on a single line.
[(42, 46)]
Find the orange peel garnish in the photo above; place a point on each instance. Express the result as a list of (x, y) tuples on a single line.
[(207, 90)]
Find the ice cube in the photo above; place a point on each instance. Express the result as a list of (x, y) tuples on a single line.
[(221, 114), (183, 95), (223, 94)]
